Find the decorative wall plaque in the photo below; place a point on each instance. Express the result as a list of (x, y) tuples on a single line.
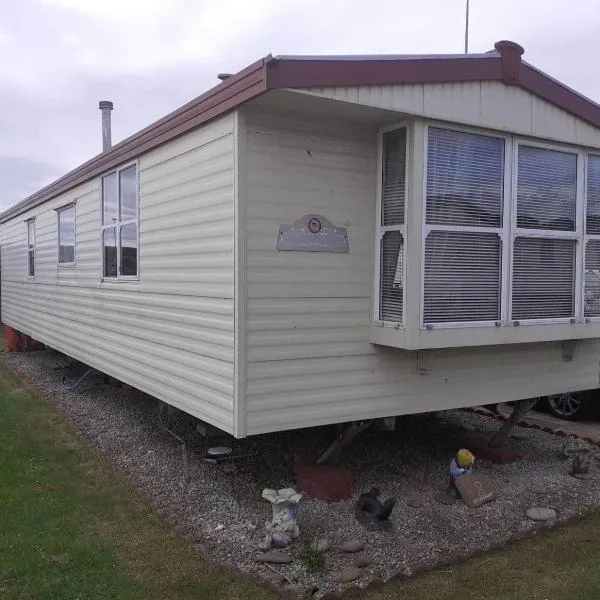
[(313, 233)]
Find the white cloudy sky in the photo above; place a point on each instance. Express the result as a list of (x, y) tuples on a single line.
[(59, 57)]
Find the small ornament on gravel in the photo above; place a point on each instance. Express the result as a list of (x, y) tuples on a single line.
[(352, 546), (541, 514), (348, 574)]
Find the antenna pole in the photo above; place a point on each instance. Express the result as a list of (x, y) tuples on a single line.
[(467, 28)]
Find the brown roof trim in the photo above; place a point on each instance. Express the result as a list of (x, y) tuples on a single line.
[(239, 88), (298, 73), (503, 64)]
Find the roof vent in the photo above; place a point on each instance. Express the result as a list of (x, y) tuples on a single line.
[(224, 76)]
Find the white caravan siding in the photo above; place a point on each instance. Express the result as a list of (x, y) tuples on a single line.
[(309, 360), (482, 104), (172, 333)]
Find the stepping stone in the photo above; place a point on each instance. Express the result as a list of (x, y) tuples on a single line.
[(538, 489), (277, 558), (541, 514), (348, 574), (585, 476), (353, 546), (362, 560)]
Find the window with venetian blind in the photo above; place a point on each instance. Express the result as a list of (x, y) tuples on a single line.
[(592, 242), (545, 243), (463, 227), (392, 229)]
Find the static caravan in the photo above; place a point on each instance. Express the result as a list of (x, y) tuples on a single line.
[(323, 240)]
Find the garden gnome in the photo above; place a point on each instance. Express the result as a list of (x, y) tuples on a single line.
[(282, 529), (461, 464)]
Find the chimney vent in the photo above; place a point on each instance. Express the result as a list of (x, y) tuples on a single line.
[(106, 106)]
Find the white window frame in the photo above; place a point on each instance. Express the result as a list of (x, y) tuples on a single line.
[(60, 209), (591, 237), (380, 229), (119, 224), (31, 248), (576, 235), (502, 232)]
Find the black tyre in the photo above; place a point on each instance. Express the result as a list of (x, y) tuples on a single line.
[(571, 406)]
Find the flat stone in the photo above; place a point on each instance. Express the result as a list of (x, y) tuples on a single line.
[(585, 476), (353, 546), (446, 499), (538, 489), (277, 558), (415, 502), (362, 560), (321, 545), (468, 427), (541, 514), (519, 435), (348, 574)]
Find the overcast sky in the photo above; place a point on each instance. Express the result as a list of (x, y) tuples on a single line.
[(59, 57)]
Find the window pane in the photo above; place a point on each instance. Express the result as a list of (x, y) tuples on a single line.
[(31, 263), (593, 196), (30, 233), (394, 177), (129, 249), (66, 235), (462, 277), (128, 193), (465, 181), (592, 279), (543, 278), (392, 288), (109, 242), (109, 199), (546, 189)]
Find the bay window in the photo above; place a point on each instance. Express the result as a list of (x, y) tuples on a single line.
[(506, 231)]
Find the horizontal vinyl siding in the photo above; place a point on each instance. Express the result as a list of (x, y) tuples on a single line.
[(309, 359), (169, 334), (487, 104)]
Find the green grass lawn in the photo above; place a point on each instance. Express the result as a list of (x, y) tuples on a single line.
[(72, 530)]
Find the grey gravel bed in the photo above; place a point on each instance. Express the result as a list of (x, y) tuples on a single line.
[(221, 506)]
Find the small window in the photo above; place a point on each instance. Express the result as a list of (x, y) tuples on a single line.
[(592, 247), (31, 248), (120, 223), (66, 235), (392, 230)]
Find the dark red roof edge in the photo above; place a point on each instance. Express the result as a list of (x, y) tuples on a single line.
[(503, 64)]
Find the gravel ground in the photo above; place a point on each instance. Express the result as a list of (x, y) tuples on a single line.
[(221, 506)]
